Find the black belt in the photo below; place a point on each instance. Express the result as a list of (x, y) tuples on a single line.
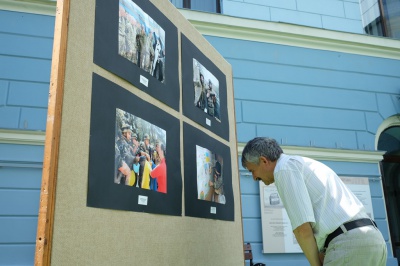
[(349, 226)]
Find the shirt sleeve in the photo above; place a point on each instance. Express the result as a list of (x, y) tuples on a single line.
[(295, 197)]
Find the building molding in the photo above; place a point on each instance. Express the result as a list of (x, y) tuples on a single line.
[(40, 7), (354, 156), (293, 35), (22, 137)]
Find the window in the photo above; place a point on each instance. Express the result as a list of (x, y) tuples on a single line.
[(391, 18), (381, 17), (200, 5)]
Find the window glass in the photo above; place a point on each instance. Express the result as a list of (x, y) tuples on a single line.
[(177, 3), (392, 17), (200, 5), (381, 17), (204, 5)]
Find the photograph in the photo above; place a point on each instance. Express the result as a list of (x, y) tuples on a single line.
[(210, 178), (136, 41), (140, 151), (206, 90), (207, 176), (140, 39), (271, 198), (128, 154)]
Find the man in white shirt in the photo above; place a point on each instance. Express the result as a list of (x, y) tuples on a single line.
[(329, 222)]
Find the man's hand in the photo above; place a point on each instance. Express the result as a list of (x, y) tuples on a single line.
[(321, 257), (124, 169)]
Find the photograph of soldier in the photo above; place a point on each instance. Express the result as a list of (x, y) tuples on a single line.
[(206, 90), (141, 40), (210, 182), (140, 153)]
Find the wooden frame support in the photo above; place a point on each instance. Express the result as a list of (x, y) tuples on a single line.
[(52, 140)]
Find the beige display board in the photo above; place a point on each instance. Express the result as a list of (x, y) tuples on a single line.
[(72, 233)]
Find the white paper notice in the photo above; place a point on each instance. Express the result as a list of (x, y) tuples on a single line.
[(144, 81), (360, 187), (142, 200), (277, 231)]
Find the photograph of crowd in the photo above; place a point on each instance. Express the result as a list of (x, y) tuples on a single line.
[(206, 90), (141, 40), (210, 182), (140, 153)]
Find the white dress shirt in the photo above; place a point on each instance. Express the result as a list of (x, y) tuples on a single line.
[(312, 192)]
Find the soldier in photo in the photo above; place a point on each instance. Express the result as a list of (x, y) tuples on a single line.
[(130, 37), (150, 50), (199, 90), (210, 99), (127, 153), (140, 35), (158, 66), (145, 148), (122, 32)]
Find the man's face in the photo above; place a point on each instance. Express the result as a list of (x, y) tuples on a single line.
[(158, 148), (263, 171), (128, 135)]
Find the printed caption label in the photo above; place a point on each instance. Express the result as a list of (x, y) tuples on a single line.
[(144, 81), (213, 210), (142, 200)]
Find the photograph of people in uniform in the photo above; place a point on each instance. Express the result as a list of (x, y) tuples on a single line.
[(210, 182), (141, 40), (206, 90), (140, 153)]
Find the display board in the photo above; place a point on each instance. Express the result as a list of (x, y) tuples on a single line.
[(277, 231), (140, 162)]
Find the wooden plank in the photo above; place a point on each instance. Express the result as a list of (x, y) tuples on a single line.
[(53, 128)]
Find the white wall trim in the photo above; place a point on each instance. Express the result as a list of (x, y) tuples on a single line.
[(330, 154), (41, 7), (293, 35), (22, 137), (38, 138)]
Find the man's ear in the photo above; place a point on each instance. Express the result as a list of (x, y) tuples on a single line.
[(264, 160)]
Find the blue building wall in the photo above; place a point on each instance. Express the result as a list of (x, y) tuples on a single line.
[(25, 56), (20, 180), (308, 97), (336, 15), (25, 60), (302, 97)]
